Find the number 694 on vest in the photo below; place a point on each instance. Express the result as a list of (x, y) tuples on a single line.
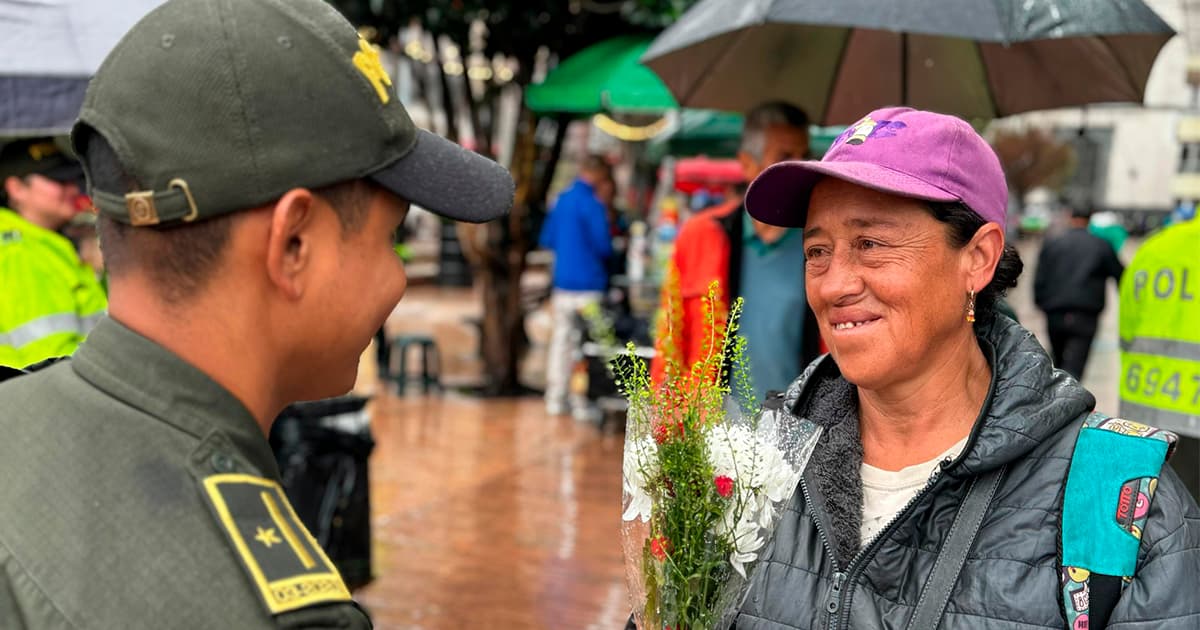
[(1162, 382)]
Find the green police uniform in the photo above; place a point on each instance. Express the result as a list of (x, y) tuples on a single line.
[(1160, 331), (135, 492), (139, 493)]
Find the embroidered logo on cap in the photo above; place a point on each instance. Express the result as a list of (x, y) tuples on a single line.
[(367, 62), (868, 128), (40, 150)]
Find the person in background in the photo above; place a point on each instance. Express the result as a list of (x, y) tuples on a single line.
[(1069, 287), (577, 231), (1184, 211), (763, 264), (618, 227), (606, 194), (51, 299), (1107, 225)]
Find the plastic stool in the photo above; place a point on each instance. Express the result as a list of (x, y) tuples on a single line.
[(430, 362)]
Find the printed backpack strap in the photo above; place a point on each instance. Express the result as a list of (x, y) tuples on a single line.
[(1113, 475)]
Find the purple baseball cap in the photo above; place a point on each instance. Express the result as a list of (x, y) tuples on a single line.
[(897, 150)]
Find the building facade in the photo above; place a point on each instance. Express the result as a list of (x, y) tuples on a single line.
[(1139, 161)]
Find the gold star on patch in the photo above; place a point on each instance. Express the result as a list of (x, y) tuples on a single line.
[(267, 537)]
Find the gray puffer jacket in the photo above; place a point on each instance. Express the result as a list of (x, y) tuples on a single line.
[(818, 575)]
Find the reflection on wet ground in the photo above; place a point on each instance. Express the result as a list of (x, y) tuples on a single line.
[(488, 514)]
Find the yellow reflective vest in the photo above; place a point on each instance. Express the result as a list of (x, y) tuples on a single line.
[(49, 299), (1160, 331)]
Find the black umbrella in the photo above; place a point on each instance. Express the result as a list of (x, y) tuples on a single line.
[(973, 58), (49, 49)]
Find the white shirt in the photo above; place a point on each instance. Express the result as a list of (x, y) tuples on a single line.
[(885, 492)]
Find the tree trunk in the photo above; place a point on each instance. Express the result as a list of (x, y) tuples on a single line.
[(498, 251), (560, 136), (483, 133), (447, 100)]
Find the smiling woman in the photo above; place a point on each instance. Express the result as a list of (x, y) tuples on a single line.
[(939, 413)]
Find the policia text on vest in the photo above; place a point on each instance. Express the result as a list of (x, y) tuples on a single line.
[(1160, 341)]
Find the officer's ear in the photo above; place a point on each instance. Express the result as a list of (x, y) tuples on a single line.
[(13, 186), (290, 243)]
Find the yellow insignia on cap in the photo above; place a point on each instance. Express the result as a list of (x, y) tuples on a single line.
[(367, 62), (282, 558), (39, 150)]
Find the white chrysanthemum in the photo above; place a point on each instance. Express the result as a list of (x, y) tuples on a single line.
[(640, 464), (764, 478)]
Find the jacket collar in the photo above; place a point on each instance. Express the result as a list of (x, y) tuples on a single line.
[(579, 184), (149, 377), (1028, 402)]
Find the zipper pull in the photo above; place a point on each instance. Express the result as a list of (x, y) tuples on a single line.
[(834, 603)]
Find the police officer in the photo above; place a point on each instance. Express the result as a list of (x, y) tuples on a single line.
[(50, 299), (1160, 341), (250, 163)]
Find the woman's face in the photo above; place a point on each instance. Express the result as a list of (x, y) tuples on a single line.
[(887, 288)]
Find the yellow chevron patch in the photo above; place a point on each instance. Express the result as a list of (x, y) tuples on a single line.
[(283, 560)]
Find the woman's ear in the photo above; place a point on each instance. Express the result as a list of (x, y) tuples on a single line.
[(290, 241), (982, 254)]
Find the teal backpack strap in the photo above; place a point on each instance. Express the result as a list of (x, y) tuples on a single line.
[(1114, 473)]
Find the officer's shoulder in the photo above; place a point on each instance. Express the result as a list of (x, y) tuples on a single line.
[(1169, 236), (29, 399)]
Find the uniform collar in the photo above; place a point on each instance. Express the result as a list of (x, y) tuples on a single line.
[(147, 376)]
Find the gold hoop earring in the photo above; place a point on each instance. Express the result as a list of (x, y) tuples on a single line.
[(971, 307)]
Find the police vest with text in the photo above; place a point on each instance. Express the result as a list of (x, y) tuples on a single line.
[(1160, 331)]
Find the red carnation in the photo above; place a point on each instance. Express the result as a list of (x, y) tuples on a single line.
[(660, 547), (662, 433), (724, 486)]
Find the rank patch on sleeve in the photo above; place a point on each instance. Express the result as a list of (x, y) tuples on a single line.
[(281, 557)]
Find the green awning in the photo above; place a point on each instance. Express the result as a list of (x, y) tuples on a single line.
[(603, 77)]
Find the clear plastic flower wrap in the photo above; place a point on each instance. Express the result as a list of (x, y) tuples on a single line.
[(707, 473)]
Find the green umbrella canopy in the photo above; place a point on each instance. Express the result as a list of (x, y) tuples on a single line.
[(603, 77)]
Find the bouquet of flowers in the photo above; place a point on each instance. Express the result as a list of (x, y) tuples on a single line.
[(707, 472)]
